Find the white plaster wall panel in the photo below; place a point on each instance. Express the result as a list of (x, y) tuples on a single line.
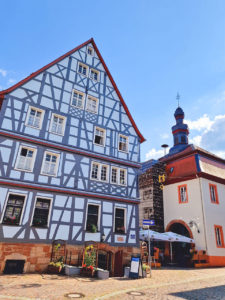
[(3, 193), (107, 207), (129, 208), (39, 77), (74, 122), (70, 183), (19, 93), (55, 181), (54, 69), (78, 217), (63, 232), (191, 211), (72, 141), (21, 235), (56, 214), (99, 149), (94, 201), (66, 216), (10, 231), (44, 194), (42, 233), (32, 235), (52, 230), (133, 222), (73, 64), (17, 113), (75, 231), (80, 184), (68, 86), (106, 220), (64, 108), (15, 174), (107, 232), (7, 124), (85, 169), (57, 94), (31, 131), (5, 154), (60, 200), (66, 97), (83, 143), (79, 203), (57, 82), (32, 85), (46, 102), (47, 91), (214, 215), (132, 237), (55, 138), (7, 143), (68, 166), (69, 203), (96, 237), (8, 112), (42, 179)]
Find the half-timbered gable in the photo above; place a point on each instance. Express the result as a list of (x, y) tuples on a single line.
[(69, 156)]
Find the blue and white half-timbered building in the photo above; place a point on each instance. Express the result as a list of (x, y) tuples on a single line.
[(69, 156)]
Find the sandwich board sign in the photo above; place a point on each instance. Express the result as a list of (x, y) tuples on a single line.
[(136, 268)]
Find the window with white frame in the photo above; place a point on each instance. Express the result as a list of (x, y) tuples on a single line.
[(13, 210), (92, 222), (41, 212), (120, 220), (92, 104), (94, 75), (50, 164), (82, 69), (77, 99), (123, 143), (118, 176), (57, 124), (90, 51), (99, 138), (34, 118), (99, 172), (25, 158)]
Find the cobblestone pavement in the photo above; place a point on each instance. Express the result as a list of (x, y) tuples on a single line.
[(193, 284)]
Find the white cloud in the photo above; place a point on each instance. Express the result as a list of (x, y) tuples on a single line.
[(203, 122), (164, 136), (3, 72), (154, 154), (196, 140)]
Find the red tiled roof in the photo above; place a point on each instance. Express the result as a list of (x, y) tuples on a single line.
[(12, 88)]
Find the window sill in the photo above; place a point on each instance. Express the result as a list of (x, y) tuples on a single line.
[(36, 226)]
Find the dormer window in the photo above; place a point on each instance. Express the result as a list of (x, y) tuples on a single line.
[(94, 75), (82, 69)]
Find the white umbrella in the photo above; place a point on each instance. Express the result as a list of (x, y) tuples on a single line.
[(154, 236), (178, 238)]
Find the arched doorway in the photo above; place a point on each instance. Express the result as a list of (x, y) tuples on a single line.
[(181, 251)]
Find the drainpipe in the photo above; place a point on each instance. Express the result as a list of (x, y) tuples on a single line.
[(203, 213)]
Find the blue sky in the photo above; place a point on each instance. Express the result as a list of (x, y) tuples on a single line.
[(153, 49)]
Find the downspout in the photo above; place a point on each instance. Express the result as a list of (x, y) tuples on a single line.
[(203, 214)]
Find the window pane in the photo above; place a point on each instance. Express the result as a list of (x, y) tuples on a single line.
[(114, 175), (94, 173), (13, 209), (119, 221), (41, 212), (92, 217)]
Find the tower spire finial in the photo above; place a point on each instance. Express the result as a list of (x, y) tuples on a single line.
[(178, 99)]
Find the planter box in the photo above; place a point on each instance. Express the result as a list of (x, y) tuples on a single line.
[(87, 272), (103, 274), (72, 270), (54, 269)]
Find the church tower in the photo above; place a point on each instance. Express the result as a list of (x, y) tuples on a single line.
[(180, 132)]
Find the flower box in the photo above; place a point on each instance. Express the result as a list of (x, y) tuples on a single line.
[(103, 274), (87, 272), (72, 270), (54, 269)]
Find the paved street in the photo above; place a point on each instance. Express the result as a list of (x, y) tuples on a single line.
[(165, 284)]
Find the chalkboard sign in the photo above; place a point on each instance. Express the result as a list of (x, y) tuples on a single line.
[(136, 268)]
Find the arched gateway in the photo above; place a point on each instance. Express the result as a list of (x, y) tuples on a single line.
[(181, 251)]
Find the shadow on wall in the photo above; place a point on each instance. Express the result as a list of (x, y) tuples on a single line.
[(216, 292)]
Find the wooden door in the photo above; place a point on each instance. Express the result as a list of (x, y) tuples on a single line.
[(118, 265)]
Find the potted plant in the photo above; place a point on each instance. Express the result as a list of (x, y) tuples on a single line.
[(93, 228), (88, 266), (55, 267), (145, 269)]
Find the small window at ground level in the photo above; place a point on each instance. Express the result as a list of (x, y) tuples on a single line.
[(219, 236), (92, 218), (41, 212), (13, 210), (119, 220)]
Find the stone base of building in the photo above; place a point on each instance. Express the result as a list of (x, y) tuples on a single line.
[(216, 261), (38, 256)]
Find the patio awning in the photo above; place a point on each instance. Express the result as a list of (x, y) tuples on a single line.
[(165, 236)]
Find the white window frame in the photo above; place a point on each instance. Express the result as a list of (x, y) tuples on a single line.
[(57, 163), (92, 50), (99, 172), (125, 219), (92, 98), (95, 71), (127, 143), (104, 136), (83, 65), (41, 119), (5, 205), (81, 93), (33, 158), (118, 176), (99, 215), (63, 126), (50, 210)]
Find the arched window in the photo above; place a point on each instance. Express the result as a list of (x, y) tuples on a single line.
[(176, 140), (183, 139)]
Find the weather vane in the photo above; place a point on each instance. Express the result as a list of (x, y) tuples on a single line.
[(178, 99)]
